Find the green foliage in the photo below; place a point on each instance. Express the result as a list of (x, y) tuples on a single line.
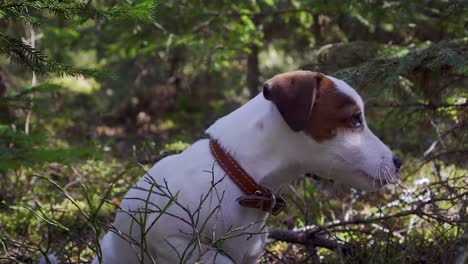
[(23, 99), (176, 147), (393, 63), (14, 158), (26, 149), (36, 13), (31, 59), (180, 65)]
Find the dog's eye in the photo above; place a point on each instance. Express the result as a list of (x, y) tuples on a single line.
[(356, 119)]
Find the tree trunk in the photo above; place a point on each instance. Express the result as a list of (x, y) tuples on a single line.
[(253, 71), (317, 30)]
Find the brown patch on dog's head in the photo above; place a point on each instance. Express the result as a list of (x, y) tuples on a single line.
[(293, 93), (310, 102), (333, 111)]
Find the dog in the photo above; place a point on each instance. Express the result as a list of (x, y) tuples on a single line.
[(196, 206)]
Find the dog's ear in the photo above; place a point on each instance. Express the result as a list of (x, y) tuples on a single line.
[(294, 95)]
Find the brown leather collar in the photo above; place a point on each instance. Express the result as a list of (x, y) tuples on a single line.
[(257, 196)]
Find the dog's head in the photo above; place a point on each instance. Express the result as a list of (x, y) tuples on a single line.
[(330, 115)]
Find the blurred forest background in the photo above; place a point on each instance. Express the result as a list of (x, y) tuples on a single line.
[(92, 92)]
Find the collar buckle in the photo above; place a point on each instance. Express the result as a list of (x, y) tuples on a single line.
[(257, 196)]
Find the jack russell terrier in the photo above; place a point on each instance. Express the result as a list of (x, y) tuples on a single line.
[(209, 204)]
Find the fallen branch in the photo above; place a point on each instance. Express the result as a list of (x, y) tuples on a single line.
[(303, 238)]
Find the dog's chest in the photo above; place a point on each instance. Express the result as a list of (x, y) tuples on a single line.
[(206, 207)]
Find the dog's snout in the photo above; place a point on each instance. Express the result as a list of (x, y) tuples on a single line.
[(396, 162)]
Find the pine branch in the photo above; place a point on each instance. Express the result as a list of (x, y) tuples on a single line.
[(32, 11), (143, 11), (22, 54), (449, 56), (26, 56)]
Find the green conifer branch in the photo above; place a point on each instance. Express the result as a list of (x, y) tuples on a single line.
[(34, 11)]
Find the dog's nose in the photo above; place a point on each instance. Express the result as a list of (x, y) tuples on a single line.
[(396, 162)]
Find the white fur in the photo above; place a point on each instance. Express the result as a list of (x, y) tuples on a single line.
[(262, 143)]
